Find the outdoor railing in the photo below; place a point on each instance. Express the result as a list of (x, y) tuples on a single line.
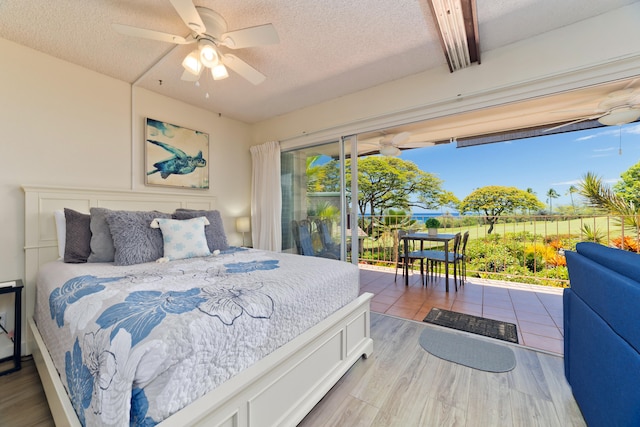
[(524, 248)]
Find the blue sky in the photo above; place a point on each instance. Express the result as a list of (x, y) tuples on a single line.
[(555, 161)]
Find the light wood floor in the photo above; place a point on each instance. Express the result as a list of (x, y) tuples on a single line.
[(22, 399), (399, 385), (403, 385)]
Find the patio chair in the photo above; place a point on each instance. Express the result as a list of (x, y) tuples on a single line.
[(323, 227), (405, 260), (434, 259), (302, 236), (463, 258)]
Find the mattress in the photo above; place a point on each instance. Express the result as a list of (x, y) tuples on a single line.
[(135, 344)]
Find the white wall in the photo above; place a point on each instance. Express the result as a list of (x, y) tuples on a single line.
[(229, 157), (63, 125), (597, 50)]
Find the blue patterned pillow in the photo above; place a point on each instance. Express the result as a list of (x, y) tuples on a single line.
[(183, 238)]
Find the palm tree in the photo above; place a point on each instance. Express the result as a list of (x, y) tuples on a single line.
[(602, 196), (571, 191), (530, 191), (552, 194)]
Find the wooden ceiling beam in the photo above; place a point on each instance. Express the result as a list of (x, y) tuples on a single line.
[(447, 21)]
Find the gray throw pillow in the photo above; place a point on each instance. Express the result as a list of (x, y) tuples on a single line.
[(102, 249), (216, 237), (77, 236), (134, 240)]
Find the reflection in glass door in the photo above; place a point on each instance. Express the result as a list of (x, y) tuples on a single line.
[(314, 202)]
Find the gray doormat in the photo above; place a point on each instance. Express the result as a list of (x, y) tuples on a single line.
[(477, 325), (468, 351)]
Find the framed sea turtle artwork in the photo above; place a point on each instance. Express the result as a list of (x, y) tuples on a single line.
[(175, 156)]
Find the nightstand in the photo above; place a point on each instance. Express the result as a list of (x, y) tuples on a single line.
[(16, 289)]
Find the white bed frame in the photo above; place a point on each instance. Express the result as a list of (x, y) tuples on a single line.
[(278, 390)]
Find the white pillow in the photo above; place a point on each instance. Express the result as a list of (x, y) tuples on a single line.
[(61, 231), (183, 238)]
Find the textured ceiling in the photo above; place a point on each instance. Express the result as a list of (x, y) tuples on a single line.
[(327, 48)]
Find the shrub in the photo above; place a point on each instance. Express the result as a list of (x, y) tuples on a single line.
[(628, 243), (521, 236), (593, 234), (485, 257)]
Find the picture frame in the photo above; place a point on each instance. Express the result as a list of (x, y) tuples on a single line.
[(175, 156)]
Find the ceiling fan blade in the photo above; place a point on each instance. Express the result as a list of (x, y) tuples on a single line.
[(150, 34), (401, 138), (245, 70), (253, 36), (189, 14), (416, 144), (584, 119), (395, 139)]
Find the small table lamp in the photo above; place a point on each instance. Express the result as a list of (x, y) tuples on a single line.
[(243, 225)]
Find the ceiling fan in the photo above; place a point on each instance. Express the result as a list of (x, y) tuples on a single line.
[(617, 108), (209, 33), (390, 145)]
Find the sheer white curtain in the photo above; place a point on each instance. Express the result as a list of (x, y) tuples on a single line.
[(266, 197)]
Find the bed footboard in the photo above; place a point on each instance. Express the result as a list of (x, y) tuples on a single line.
[(279, 390)]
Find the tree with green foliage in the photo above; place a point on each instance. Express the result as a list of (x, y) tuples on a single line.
[(496, 200), (552, 194), (315, 174), (629, 185), (391, 182), (601, 196), (325, 177), (386, 183), (447, 199)]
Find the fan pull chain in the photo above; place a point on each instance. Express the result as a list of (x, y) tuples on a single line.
[(620, 140)]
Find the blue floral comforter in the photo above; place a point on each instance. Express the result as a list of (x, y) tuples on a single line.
[(134, 344)]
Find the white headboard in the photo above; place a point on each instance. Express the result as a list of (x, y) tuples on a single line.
[(41, 243)]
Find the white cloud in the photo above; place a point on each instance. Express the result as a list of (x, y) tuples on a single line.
[(633, 129), (612, 130), (607, 132), (578, 181), (586, 138)]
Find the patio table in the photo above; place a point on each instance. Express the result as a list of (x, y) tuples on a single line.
[(422, 237)]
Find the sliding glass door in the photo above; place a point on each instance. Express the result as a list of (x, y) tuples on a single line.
[(314, 201)]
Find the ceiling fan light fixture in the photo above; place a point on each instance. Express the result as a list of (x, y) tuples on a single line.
[(208, 53), (389, 150), (192, 64), (620, 117), (219, 72)]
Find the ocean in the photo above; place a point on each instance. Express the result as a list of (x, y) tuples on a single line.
[(423, 216)]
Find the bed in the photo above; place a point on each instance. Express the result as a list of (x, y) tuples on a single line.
[(280, 378)]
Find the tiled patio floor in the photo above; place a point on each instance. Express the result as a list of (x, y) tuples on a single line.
[(536, 310)]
